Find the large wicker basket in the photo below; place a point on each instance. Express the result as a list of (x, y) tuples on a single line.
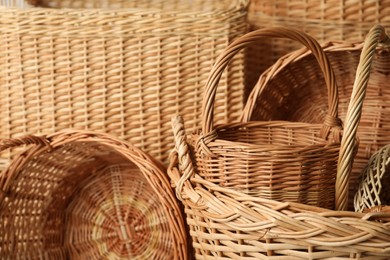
[(278, 160), (83, 195), (348, 20), (124, 71), (289, 91), (228, 224)]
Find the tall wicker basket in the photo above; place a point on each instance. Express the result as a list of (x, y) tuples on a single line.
[(125, 70), (289, 91), (347, 20), (228, 224), (84, 195)]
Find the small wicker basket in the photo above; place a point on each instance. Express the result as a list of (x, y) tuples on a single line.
[(228, 224), (124, 67), (285, 161), (83, 195)]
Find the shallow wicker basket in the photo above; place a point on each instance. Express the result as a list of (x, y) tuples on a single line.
[(83, 195), (374, 186), (289, 90), (348, 20), (125, 71), (228, 224)]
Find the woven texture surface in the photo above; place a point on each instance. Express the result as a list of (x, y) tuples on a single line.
[(329, 20), (228, 224), (286, 161), (293, 90), (82, 195), (374, 185), (121, 71)]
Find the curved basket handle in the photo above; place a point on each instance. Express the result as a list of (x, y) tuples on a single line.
[(376, 35), (24, 140), (14, 143), (240, 43)]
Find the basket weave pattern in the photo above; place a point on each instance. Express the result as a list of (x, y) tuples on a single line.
[(82, 195), (227, 224), (348, 20), (121, 71)]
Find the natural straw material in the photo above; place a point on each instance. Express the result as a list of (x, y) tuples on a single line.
[(122, 71), (286, 161), (83, 195), (347, 20), (375, 183), (227, 224), (289, 90)]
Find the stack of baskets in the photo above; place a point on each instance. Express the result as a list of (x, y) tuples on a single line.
[(271, 179), (227, 222)]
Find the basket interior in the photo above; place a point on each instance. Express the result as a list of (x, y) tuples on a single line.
[(75, 202)]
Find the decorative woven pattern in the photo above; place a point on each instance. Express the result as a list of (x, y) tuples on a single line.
[(348, 20), (227, 224), (374, 187), (82, 195), (292, 90), (279, 160), (121, 71)]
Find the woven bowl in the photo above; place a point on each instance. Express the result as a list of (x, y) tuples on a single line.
[(80, 195)]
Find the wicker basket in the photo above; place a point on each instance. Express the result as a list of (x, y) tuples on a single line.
[(122, 71), (228, 224), (277, 160), (283, 92), (348, 20), (374, 186), (83, 195)]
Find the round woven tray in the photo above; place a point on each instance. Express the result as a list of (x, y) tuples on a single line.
[(83, 195)]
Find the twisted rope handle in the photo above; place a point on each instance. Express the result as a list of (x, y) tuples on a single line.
[(375, 36), (249, 38), (181, 158)]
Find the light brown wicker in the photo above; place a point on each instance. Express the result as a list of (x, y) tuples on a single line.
[(228, 224), (124, 71), (347, 20), (374, 186), (280, 160), (84, 195), (289, 91)]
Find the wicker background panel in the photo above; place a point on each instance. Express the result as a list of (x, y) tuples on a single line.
[(325, 20), (125, 72)]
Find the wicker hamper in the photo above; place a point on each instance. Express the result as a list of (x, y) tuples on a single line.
[(278, 160), (347, 20), (124, 70), (84, 195), (289, 91), (228, 224)]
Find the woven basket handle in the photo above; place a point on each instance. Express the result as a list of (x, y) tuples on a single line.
[(375, 36), (180, 158), (24, 140), (278, 32)]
